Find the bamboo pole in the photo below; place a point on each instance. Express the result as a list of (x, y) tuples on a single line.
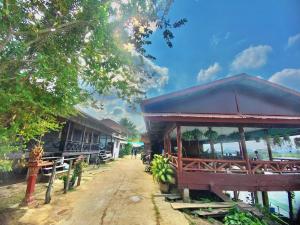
[(68, 177)]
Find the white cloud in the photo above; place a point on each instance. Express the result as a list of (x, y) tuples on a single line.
[(288, 77), (208, 74), (251, 58), (293, 40)]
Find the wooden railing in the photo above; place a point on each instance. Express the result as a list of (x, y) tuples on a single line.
[(214, 165), (291, 166), (236, 166), (76, 146)]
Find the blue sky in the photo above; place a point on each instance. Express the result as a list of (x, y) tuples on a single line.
[(222, 38)]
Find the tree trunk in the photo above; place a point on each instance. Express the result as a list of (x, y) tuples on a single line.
[(50, 184), (212, 148)]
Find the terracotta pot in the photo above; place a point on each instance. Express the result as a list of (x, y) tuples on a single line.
[(164, 188)]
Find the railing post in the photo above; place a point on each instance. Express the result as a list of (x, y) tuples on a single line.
[(244, 149)]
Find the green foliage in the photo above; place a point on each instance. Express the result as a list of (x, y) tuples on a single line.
[(162, 170), (57, 54), (211, 135), (126, 150), (131, 128), (195, 134), (277, 140), (237, 217)]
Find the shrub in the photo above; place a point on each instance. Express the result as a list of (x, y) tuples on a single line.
[(126, 150), (237, 217), (161, 170)]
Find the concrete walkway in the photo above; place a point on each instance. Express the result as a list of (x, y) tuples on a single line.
[(119, 195)]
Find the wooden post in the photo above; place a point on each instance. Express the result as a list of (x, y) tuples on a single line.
[(179, 153), (68, 132), (255, 197), (50, 184), (244, 149), (235, 196), (269, 148), (169, 144), (80, 173), (291, 208), (265, 199), (68, 177), (92, 140), (165, 146), (82, 139)]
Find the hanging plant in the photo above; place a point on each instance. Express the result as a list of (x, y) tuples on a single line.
[(187, 136), (197, 134), (286, 138), (211, 135), (277, 140)]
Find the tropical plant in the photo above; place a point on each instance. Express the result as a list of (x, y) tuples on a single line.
[(212, 137), (277, 140), (131, 128), (161, 170), (187, 136), (287, 138), (237, 217)]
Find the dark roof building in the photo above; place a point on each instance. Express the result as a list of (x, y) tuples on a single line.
[(236, 109)]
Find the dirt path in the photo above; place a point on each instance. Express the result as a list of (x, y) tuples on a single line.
[(120, 195)]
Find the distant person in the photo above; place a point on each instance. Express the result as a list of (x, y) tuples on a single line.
[(135, 152)]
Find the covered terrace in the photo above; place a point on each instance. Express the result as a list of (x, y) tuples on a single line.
[(209, 132)]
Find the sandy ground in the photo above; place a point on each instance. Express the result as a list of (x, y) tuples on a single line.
[(119, 194)]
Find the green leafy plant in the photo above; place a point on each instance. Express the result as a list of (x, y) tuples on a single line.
[(161, 170), (211, 135), (237, 217), (126, 150), (277, 140)]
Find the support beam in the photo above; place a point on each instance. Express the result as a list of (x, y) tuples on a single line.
[(291, 208), (82, 139), (244, 148), (67, 137), (265, 199), (236, 195), (169, 143), (179, 152)]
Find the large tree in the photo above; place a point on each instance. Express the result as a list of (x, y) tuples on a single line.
[(55, 54), (131, 127)]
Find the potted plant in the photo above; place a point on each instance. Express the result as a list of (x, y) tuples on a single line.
[(212, 137), (162, 172)]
